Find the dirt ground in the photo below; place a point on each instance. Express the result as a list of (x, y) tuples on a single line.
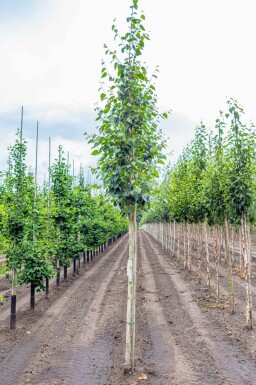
[(77, 336)]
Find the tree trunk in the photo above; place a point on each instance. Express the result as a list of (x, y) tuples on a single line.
[(229, 264), (13, 300), (178, 243), (232, 245), (189, 248), (216, 262), (208, 283), (221, 244), (184, 245), (247, 275), (240, 250), (199, 254), (174, 239), (131, 300)]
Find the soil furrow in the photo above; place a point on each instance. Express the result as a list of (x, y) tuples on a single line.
[(228, 360), (168, 361), (55, 320), (79, 339), (220, 314), (92, 357)]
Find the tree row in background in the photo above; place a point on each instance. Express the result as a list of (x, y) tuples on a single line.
[(209, 198), (44, 228)]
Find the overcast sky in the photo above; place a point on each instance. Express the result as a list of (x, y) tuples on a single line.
[(50, 63)]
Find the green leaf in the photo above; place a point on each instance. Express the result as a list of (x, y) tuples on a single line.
[(140, 76), (96, 186)]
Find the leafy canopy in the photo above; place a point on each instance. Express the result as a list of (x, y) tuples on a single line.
[(128, 142)]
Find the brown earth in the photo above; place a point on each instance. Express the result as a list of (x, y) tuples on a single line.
[(77, 336)]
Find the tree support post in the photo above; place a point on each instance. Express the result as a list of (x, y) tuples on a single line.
[(229, 263), (247, 278), (131, 300), (32, 296), (13, 301)]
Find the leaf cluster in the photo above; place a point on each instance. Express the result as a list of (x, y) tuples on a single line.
[(214, 176)]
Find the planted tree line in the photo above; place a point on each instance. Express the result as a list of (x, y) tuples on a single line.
[(206, 203), (45, 227), (68, 219)]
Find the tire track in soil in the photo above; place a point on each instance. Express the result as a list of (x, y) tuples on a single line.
[(92, 358), (232, 366), (34, 351), (247, 340), (167, 360)]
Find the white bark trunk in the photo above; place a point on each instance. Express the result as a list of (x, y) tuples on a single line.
[(131, 300)]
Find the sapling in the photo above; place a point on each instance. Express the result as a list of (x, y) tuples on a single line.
[(128, 142)]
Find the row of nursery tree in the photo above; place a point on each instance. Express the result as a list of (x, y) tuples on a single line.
[(45, 227), (208, 200)]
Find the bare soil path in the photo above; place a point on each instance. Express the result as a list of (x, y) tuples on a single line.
[(205, 341), (78, 337)]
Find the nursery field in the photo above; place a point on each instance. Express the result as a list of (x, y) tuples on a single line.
[(86, 298), (77, 335)]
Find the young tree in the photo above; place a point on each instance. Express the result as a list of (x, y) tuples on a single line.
[(35, 265), (15, 210), (128, 143), (63, 214), (242, 187)]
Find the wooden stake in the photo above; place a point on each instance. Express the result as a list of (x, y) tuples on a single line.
[(48, 211), (189, 248), (217, 283), (208, 283), (14, 272), (229, 265), (33, 288), (247, 276)]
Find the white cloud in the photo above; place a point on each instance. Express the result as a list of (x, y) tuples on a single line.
[(79, 152), (50, 59)]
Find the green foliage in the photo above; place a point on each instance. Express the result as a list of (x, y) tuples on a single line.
[(36, 264), (42, 223), (63, 214), (241, 152), (128, 143), (15, 203), (214, 176), (3, 268)]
